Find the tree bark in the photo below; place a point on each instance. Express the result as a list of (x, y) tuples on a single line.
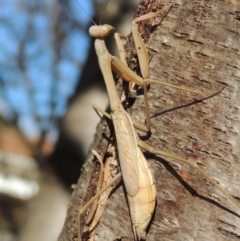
[(196, 46)]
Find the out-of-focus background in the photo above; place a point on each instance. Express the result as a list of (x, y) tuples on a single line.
[(49, 78)]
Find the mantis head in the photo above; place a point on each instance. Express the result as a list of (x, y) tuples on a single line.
[(100, 31)]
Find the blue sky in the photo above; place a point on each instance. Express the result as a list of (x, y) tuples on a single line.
[(35, 74)]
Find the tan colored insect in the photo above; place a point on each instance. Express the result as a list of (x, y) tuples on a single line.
[(136, 175)]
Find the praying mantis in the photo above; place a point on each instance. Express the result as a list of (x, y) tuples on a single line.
[(100, 47)]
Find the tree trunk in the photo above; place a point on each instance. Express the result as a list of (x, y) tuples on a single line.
[(196, 46)]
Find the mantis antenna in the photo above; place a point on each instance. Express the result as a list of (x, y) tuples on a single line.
[(104, 8), (86, 12)]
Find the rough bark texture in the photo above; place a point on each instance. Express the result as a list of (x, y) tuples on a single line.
[(196, 46)]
